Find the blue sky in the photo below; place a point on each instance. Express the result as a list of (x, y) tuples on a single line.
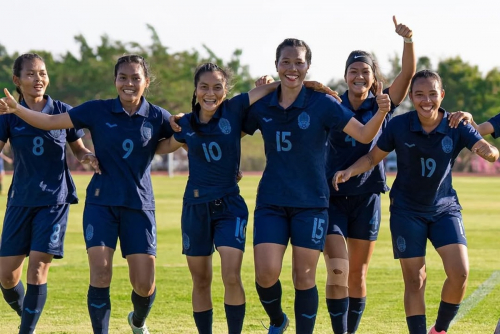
[(332, 29)]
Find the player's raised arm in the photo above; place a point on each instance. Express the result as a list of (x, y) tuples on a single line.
[(8, 105), (365, 133)]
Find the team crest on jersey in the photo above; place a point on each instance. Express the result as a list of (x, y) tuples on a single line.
[(447, 144), (185, 241), (55, 133), (147, 131), (224, 126), (89, 232), (304, 120), (401, 243)]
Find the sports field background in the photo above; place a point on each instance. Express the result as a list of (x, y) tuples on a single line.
[(66, 308)]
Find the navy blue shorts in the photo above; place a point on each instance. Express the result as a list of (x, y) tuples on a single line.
[(40, 229), (356, 217), (304, 227), (222, 222), (103, 225), (410, 232)]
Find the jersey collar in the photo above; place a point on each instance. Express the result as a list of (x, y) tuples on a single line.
[(300, 102), (415, 125), (216, 115), (143, 109), (47, 109), (365, 106)]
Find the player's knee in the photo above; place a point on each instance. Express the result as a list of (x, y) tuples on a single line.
[(231, 278), (8, 280), (415, 283), (338, 272), (266, 278), (460, 277), (100, 277)]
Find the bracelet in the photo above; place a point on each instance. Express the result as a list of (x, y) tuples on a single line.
[(407, 39)]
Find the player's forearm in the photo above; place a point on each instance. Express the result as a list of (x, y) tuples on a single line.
[(370, 129), (43, 121)]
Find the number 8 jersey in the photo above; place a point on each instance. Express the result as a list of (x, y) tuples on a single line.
[(124, 146), (41, 175)]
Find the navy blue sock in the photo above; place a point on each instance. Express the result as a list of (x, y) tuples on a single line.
[(270, 298), (337, 308), (417, 324), (203, 321), (356, 309), (235, 314), (306, 307), (142, 306), (446, 313), (33, 304), (99, 305), (14, 297)]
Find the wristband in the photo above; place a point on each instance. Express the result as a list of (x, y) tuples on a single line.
[(407, 39)]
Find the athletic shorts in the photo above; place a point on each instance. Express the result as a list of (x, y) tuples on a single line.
[(303, 227), (410, 232), (222, 222), (356, 217), (136, 229), (40, 229)]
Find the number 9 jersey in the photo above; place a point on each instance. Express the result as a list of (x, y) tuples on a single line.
[(124, 145)]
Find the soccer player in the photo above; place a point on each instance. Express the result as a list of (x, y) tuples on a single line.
[(213, 211), (120, 201), (40, 194), (2, 168), (355, 211), (423, 201), (292, 197)]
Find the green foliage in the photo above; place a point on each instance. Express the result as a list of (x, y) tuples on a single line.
[(89, 75)]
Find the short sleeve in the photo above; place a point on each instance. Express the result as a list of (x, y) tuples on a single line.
[(4, 128), (250, 121), (469, 136), (386, 140), (337, 115), (82, 116), (166, 130), (495, 122), (184, 124)]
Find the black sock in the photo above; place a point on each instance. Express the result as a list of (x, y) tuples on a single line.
[(337, 308), (99, 305), (33, 304), (306, 308), (142, 306), (417, 324), (203, 321), (235, 314), (14, 297), (446, 313), (356, 309), (270, 298)]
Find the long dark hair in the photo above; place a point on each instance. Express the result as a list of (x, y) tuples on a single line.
[(18, 67)]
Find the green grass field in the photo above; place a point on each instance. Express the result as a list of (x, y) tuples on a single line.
[(66, 308)]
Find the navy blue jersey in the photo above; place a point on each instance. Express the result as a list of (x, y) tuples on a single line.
[(41, 175), (294, 143), (214, 151), (425, 161), (343, 150), (125, 146), (495, 122)]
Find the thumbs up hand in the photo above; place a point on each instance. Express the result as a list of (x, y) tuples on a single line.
[(8, 104), (401, 29), (383, 100)]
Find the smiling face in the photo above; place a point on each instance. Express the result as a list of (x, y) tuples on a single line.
[(130, 83), (292, 66), (359, 78), (33, 79), (210, 92), (427, 95)]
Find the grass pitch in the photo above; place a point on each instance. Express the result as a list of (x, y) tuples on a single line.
[(66, 308)]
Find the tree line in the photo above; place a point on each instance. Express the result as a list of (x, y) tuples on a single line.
[(88, 75)]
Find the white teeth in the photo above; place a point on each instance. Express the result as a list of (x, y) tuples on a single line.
[(292, 77), (128, 91)]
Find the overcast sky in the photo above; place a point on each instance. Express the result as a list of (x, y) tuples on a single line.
[(442, 28)]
